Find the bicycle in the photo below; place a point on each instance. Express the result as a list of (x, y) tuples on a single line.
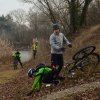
[(82, 59)]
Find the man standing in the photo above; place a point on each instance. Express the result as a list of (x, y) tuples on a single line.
[(56, 41), (17, 57), (34, 48)]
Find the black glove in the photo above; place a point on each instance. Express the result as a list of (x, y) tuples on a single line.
[(62, 49), (30, 93), (70, 45)]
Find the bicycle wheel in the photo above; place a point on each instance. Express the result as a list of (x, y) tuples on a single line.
[(91, 59), (87, 65), (90, 63), (84, 52)]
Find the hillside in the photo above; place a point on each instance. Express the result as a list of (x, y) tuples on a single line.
[(19, 86)]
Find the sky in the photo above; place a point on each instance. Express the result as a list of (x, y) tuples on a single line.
[(9, 5)]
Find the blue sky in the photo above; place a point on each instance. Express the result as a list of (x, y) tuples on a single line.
[(8, 5)]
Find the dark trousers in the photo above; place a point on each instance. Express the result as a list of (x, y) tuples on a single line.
[(34, 53), (16, 60), (57, 61), (20, 62), (49, 78)]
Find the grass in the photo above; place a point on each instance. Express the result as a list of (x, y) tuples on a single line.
[(6, 76), (5, 57), (43, 56), (6, 49)]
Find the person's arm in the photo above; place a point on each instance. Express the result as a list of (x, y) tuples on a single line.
[(52, 43), (67, 41)]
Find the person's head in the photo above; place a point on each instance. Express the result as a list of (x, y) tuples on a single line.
[(31, 72), (36, 42), (56, 28)]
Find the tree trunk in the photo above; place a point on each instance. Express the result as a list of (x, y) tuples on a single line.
[(84, 12), (72, 8), (53, 19)]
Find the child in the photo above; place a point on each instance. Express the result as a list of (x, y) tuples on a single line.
[(42, 74)]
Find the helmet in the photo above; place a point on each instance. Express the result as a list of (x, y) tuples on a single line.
[(55, 27), (31, 71), (41, 65)]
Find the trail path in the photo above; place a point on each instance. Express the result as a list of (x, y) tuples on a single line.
[(77, 89)]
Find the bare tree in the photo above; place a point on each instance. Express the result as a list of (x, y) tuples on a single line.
[(18, 16), (39, 23), (93, 17), (54, 9), (84, 12), (70, 13)]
